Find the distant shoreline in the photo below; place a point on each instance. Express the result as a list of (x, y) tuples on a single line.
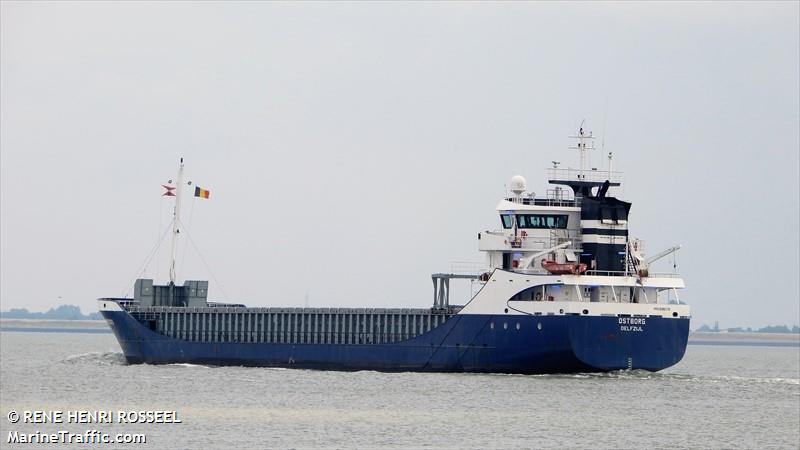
[(705, 334), (54, 325), (62, 312), (744, 338), (32, 320), (695, 337), (745, 334)]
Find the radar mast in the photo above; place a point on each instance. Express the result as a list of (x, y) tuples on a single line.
[(583, 139)]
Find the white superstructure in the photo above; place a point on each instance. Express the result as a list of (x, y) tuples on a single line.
[(571, 248)]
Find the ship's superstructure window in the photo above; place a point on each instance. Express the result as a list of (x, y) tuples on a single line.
[(540, 293), (542, 221), (508, 220)]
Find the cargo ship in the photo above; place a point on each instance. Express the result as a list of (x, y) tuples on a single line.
[(563, 290)]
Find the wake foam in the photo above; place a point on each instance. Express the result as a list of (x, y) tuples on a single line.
[(680, 377), (96, 358)]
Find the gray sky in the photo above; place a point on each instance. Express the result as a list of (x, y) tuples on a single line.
[(353, 149)]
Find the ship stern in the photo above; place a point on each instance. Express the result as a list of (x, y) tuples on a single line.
[(624, 342)]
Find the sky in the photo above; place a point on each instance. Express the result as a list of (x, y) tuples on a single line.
[(353, 149)]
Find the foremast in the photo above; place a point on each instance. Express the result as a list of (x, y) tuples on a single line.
[(192, 293), (176, 218)]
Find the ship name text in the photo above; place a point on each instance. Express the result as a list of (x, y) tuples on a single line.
[(632, 324)]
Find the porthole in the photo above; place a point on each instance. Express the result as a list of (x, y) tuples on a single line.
[(586, 311), (506, 310), (505, 325), (561, 311), (518, 325), (539, 325), (674, 314)]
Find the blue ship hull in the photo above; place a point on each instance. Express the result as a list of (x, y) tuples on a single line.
[(464, 343)]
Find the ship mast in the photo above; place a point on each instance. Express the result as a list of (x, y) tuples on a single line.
[(583, 138), (176, 212)]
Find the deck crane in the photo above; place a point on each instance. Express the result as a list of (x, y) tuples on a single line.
[(642, 266), (662, 254), (526, 263)]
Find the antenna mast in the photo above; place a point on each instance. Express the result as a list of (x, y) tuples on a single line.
[(176, 214), (583, 138)]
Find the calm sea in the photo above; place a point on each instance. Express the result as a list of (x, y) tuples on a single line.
[(731, 396)]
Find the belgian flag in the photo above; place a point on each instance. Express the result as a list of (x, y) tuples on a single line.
[(202, 193)]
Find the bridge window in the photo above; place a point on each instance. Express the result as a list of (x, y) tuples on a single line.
[(542, 221), (508, 220)]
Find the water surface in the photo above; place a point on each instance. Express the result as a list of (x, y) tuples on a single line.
[(718, 396)]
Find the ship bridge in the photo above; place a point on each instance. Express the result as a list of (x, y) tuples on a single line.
[(577, 227)]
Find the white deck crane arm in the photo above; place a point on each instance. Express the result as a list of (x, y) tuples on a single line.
[(528, 260), (662, 254)]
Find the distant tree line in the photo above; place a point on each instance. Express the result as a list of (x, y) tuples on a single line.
[(767, 329), (63, 312)]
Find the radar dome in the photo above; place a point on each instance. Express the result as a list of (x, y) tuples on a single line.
[(517, 185)]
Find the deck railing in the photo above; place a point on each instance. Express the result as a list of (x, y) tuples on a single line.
[(290, 337), (597, 176), (620, 273)]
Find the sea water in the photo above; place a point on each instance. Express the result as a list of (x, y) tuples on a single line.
[(731, 396)]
